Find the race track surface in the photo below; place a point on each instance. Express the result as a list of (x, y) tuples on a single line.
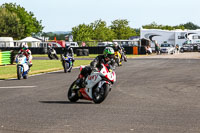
[(150, 96)]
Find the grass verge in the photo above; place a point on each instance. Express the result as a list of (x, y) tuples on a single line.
[(39, 66), (90, 56)]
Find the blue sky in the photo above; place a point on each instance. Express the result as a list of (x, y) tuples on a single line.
[(62, 15)]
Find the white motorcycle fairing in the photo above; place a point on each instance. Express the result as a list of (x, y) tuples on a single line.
[(95, 78)]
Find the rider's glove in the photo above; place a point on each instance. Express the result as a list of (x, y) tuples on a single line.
[(94, 69), (110, 70)]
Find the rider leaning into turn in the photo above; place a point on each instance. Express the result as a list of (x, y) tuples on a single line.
[(120, 49), (25, 51), (107, 58), (117, 47)]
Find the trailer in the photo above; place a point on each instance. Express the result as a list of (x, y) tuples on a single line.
[(173, 37)]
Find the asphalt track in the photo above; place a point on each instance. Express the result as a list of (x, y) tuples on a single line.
[(150, 96)]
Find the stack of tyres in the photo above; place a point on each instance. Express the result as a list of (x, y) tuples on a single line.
[(0, 58), (82, 52), (5, 57), (79, 52), (85, 52)]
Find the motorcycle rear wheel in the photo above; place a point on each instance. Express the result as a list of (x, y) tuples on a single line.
[(72, 95), (100, 96)]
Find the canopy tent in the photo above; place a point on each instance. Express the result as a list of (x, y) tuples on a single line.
[(33, 41)]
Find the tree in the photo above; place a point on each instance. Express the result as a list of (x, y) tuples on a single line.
[(190, 26), (122, 29), (30, 24), (101, 32), (82, 32), (154, 25), (10, 24)]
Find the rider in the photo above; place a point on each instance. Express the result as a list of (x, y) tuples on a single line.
[(107, 58), (25, 51), (68, 51), (117, 47)]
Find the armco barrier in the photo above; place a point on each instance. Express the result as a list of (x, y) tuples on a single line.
[(91, 50), (5, 57)]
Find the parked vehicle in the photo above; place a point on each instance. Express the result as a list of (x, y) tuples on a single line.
[(67, 63), (52, 53), (22, 67), (72, 44), (167, 48), (104, 44), (98, 85)]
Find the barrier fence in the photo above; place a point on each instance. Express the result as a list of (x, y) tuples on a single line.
[(5, 57), (90, 50)]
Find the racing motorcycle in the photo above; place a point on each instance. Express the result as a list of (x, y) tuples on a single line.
[(124, 57), (67, 63), (52, 53), (118, 59), (98, 85), (22, 66)]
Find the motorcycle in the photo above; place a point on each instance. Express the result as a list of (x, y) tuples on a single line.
[(52, 53), (124, 57), (98, 85), (22, 67), (118, 59), (67, 63)]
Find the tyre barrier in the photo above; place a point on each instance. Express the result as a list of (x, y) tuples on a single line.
[(5, 57), (82, 52)]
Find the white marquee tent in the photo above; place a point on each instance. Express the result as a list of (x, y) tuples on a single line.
[(34, 42)]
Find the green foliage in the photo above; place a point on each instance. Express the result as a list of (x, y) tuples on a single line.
[(190, 26), (98, 31), (101, 32), (166, 27), (122, 29), (82, 32), (27, 22), (10, 24)]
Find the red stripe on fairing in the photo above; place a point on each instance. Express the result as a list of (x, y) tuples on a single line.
[(106, 68), (85, 95), (108, 78)]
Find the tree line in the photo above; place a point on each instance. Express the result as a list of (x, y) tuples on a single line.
[(18, 23)]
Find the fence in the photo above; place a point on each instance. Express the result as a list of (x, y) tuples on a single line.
[(5, 57)]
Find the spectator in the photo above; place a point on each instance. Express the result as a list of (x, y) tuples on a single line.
[(157, 47), (177, 48)]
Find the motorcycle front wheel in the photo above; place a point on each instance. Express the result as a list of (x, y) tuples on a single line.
[(99, 94), (56, 56), (19, 72), (65, 66), (72, 94)]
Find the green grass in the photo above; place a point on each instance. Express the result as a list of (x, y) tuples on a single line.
[(39, 66), (90, 56), (45, 55)]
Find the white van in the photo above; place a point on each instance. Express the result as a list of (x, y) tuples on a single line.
[(6, 42), (72, 44)]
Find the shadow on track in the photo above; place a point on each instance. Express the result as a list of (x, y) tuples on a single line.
[(8, 79), (64, 102)]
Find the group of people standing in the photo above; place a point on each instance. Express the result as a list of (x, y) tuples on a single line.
[(157, 48)]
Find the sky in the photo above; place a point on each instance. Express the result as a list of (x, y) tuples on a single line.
[(62, 15)]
